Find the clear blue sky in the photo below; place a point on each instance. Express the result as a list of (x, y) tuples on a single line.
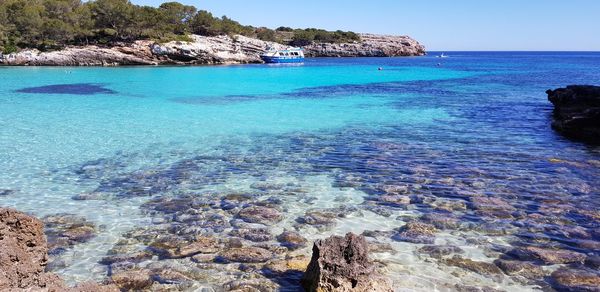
[(561, 25)]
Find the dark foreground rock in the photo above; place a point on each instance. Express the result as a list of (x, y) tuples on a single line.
[(342, 264), (577, 112), (206, 50), (24, 256)]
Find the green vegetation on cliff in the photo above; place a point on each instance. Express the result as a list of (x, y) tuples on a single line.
[(52, 24)]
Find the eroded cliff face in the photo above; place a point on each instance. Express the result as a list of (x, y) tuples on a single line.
[(207, 50), (371, 46)]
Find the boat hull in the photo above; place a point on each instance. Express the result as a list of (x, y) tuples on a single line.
[(281, 60)]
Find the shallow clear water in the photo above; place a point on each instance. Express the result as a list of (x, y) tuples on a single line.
[(331, 135)]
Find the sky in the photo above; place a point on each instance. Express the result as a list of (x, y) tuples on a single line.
[(441, 25)]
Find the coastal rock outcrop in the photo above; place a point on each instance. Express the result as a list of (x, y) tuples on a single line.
[(577, 112), (342, 264), (223, 49), (24, 256), (371, 45)]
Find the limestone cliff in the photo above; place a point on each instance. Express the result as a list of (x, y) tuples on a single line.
[(206, 50)]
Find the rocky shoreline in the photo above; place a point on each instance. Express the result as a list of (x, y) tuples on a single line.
[(337, 263), (205, 51)]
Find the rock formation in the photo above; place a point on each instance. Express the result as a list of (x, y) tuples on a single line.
[(206, 50), (342, 264), (24, 255), (577, 112), (371, 45)]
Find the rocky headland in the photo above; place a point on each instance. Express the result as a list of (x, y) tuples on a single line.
[(205, 50), (577, 112), (371, 45)]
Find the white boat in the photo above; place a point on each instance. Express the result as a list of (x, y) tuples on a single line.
[(290, 55), (442, 56)]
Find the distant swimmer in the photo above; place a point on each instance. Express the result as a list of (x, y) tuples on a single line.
[(380, 68)]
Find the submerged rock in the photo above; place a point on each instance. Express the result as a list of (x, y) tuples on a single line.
[(571, 279), (342, 264), (394, 200), (318, 218), (547, 256), (440, 251), (6, 192), (577, 112), (593, 262), (246, 255), (519, 268), (416, 232), (67, 230), (292, 240), (491, 204), (252, 234), (133, 280), (174, 247), (482, 268), (260, 214)]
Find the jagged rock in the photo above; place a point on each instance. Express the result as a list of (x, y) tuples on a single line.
[(570, 279), (547, 256), (371, 45), (24, 257), (23, 253), (292, 240), (416, 232), (342, 264), (223, 49), (577, 112)]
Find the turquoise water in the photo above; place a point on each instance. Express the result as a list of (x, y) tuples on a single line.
[(332, 135)]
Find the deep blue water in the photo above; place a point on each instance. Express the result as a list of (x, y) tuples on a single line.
[(334, 135)]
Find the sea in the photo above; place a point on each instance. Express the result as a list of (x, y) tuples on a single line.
[(116, 159)]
